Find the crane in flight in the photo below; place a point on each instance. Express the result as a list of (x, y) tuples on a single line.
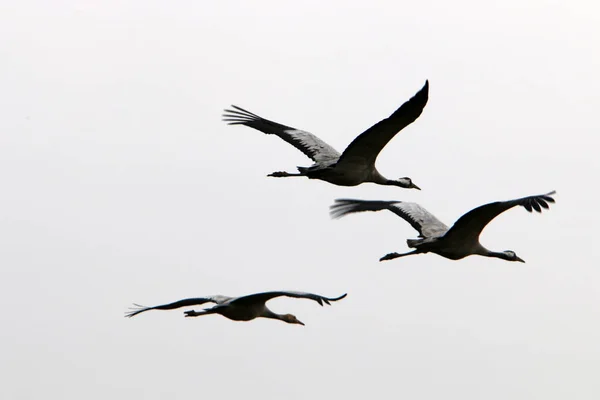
[(244, 308), (455, 243), (356, 164)]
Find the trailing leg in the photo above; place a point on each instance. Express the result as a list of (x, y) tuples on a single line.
[(282, 174), (193, 313), (391, 256)]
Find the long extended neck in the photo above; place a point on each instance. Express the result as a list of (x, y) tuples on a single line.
[(270, 314), (376, 177), (482, 251), (391, 182), (499, 255)]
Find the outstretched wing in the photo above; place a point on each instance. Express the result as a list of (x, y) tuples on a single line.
[(469, 226), (419, 218), (136, 309), (309, 144), (369, 144), (266, 296)]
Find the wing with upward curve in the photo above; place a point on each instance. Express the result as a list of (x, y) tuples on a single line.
[(368, 145), (266, 296), (469, 226)]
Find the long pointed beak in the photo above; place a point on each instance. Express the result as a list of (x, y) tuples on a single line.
[(413, 186), (520, 260), (301, 323)]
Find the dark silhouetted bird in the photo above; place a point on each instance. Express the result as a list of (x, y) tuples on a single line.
[(356, 164), (455, 243), (244, 308)]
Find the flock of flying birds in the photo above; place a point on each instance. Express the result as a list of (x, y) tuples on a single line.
[(356, 165)]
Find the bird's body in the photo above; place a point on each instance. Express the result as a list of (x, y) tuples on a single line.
[(347, 174), (455, 243), (244, 308), (240, 313), (447, 248), (356, 164)]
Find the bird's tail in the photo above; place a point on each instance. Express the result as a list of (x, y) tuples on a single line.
[(413, 243)]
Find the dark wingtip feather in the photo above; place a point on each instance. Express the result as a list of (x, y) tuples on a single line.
[(548, 196), (245, 111), (135, 310), (424, 90), (239, 114), (342, 207), (537, 203), (336, 211), (338, 298)]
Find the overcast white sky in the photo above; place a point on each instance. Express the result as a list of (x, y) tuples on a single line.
[(121, 184)]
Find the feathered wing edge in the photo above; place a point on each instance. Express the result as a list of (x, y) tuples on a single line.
[(538, 202), (369, 144), (472, 223), (266, 296), (312, 146), (419, 218), (137, 308)]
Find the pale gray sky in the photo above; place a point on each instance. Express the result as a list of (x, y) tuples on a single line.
[(120, 184)]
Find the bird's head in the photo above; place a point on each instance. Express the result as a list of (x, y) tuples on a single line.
[(406, 183), (512, 256), (291, 319)]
